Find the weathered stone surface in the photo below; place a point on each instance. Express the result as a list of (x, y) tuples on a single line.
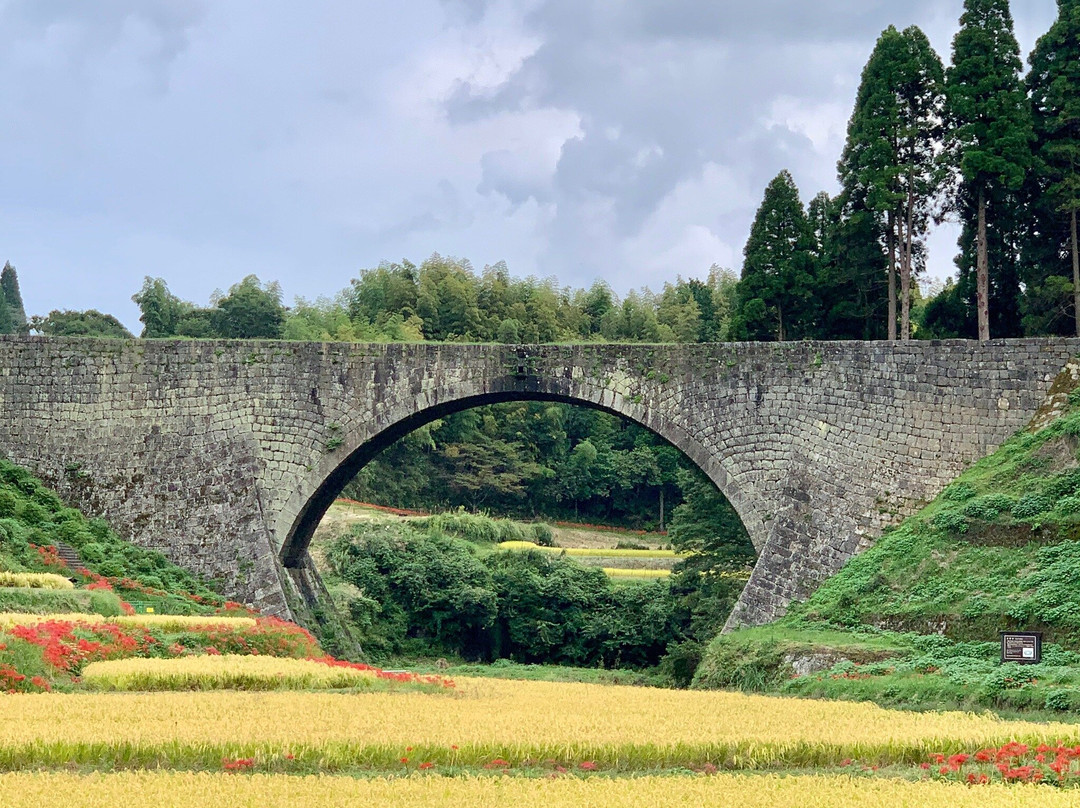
[(224, 455)]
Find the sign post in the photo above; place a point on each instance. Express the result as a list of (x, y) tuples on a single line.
[(1022, 647)]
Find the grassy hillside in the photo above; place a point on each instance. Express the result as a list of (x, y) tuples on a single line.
[(915, 619), (997, 550), (33, 521)]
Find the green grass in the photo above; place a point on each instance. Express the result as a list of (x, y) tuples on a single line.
[(588, 552), (505, 669), (59, 601), (483, 529)]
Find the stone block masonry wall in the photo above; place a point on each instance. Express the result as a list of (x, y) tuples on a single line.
[(224, 455)]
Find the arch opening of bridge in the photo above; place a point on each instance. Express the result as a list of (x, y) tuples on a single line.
[(338, 475)]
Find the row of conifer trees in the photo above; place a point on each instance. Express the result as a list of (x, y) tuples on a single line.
[(977, 142)]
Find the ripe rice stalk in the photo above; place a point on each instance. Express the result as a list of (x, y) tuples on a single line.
[(225, 672), (617, 728), (35, 580)]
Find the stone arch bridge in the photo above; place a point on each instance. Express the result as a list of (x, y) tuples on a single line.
[(224, 455)]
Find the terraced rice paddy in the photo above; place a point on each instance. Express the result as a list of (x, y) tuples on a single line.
[(241, 672), (615, 728)]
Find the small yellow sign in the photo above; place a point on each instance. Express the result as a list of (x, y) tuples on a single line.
[(149, 609)]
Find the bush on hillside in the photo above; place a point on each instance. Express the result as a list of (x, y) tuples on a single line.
[(413, 592)]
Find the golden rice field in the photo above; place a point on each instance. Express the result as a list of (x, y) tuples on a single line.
[(618, 728), (166, 622), (224, 672), (615, 572), (35, 580), (200, 790), (588, 552)]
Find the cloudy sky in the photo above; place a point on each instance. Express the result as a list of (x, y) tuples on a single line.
[(205, 140)]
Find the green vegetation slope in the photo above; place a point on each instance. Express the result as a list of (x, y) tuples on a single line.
[(915, 619)]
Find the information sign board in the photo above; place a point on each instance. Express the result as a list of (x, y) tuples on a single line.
[(1024, 647)]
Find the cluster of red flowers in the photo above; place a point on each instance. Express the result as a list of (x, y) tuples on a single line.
[(49, 556), (270, 637), (68, 646), (390, 676), (1013, 763), (11, 681), (237, 764)]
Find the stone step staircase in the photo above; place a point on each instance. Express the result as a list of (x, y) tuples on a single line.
[(70, 555)]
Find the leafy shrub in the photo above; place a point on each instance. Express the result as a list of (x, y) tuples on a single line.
[(738, 662), (8, 504), (681, 661), (1031, 505), (543, 534), (988, 507), (959, 492), (1062, 699), (93, 552), (32, 514), (1063, 485), (951, 522), (151, 581), (1068, 506), (111, 568), (47, 500), (431, 594)]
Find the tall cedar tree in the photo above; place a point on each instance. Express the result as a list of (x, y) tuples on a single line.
[(1054, 197), (889, 161), (7, 324), (920, 88), (777, 293), (9, 290), (852, 274), (988, 148)]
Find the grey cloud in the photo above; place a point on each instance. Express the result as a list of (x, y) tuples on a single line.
[(467, 11), (763, 21), (171, 20), (662, 88), (513, 176)]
